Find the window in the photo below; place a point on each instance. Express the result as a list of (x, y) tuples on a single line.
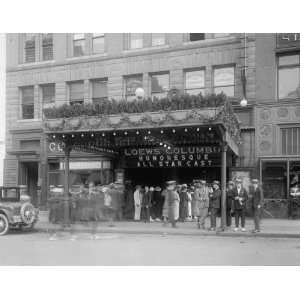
[(289, 76), (29, 47), (98, 43), (290, 141), (159, 85), (27, 98), (78, 44), (47, 46), (158, 39), (131, 84), (76, 92), (195, 82), (99, 90), (224, 81), (135, 40), (196, 37), (48, 93)]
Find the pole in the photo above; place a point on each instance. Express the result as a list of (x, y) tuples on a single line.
[(66, 186), (223, 184)]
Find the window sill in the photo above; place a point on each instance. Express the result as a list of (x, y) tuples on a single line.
[(144, 49), (210, 41), (43, 62), (28, 120), (83, 57)]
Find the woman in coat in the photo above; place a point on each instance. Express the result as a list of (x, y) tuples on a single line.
[(138, 197), (172, 197), (183, 207)]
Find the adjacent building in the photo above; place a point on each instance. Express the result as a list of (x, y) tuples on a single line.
[(50, 70)]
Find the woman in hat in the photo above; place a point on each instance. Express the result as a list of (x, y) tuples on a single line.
[(214, 204), (173, 200), (138, 198), (183, 206)]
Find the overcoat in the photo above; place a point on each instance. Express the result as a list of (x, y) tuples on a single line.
[(173, 201), (240, 198)]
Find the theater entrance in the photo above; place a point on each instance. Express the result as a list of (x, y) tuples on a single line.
[(158, 176)]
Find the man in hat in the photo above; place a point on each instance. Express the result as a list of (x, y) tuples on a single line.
[(214, 204), (183, 206), (255, 195), (202, 203), (240, 198), (229, 202), (173, 200), (138, 198)]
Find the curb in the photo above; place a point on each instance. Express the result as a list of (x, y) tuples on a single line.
[(164, 233)]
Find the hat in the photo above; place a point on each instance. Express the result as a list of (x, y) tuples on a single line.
[(238, 180), (254, 180), (216, 182), (157, 189), (203, 181), (184, 185), (196, 180), (171, 182), (230, 182)]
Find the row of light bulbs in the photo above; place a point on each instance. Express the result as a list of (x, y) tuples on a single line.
[(126, 133)]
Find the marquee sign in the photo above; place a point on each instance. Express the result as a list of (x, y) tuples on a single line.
[(175, 157), (287, 40)]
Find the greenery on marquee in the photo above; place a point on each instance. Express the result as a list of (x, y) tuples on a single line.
[(108, 107)]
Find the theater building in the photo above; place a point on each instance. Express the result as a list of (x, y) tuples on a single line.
[(150, 141)]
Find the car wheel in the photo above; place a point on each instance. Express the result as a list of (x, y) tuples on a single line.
[(4, 225)]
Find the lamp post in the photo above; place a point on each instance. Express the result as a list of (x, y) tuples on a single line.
[(244, 101)]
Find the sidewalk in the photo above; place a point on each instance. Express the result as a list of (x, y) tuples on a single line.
[(269, 228)]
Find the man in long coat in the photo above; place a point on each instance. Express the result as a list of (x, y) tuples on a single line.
[(229, 203), (183, 206), (214, 204), (201, 195), (255, 196), (173, 201)]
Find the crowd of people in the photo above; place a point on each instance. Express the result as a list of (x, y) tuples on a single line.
[(172, 204)]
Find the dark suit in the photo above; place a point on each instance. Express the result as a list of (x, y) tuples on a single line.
[(239, 205), (214, 206), (255, 196)]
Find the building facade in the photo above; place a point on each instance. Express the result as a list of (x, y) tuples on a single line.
[(49, 70)]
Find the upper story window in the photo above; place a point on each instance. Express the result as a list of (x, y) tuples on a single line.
[(131, 84), (48, 93), (99, 90), (29, 47), (78, 44), (76, 92), (160, 84), (224, 80), (196, 37), (98, 43), (47, 46), (27, 102), (135, 40), (289, 76), (158, 39), (194, 82), (290, 141)]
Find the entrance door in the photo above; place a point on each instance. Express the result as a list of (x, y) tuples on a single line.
[(29, 177)]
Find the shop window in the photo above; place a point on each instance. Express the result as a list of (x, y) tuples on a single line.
[(99, 91), (76, 92), (98, 43), (48, 93), (131, 83), (294, 173), (158, 39), (195, 82), (290, 141), (78, 44), (274, 179), (289, 77), (196, 37), (224, 80), (27, 100), (160, 84), (29, 47), (47, 46), (135, 40)]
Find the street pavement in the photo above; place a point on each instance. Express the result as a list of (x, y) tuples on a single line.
[(40, 248)]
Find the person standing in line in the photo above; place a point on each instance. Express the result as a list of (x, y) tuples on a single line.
[(189, 207), (183, 203), (146, 204), (255, 196), (203, 204), (229, 203), (214, 204), (165, 208), (138, 197), (173, 200), (156, 205), (240, 198)]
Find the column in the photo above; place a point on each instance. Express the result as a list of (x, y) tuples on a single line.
[(223, 185), (43, 171), (66, 185)]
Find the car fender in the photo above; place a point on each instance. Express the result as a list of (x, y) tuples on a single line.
[(8, 214)]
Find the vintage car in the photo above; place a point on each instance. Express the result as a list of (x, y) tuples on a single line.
[(16, 211)]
